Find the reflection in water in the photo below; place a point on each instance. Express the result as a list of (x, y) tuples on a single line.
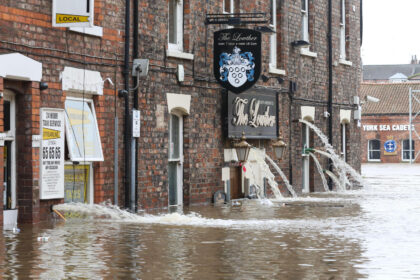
[(370, 233)]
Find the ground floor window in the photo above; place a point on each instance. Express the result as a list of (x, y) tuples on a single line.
[(374, 150), (78, 183), (406, 149)]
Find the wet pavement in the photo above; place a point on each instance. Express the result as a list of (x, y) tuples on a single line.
[(365, 234)]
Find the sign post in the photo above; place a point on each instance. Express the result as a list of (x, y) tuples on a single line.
[(237, 58), (74, 13), (52, 153)]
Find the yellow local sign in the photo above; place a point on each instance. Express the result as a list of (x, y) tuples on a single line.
[(48, 134), (61, 18)]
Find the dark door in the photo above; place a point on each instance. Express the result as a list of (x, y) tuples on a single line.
[(235, 183), (7, 175)]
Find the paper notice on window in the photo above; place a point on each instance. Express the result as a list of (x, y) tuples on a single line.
[(52, 153)]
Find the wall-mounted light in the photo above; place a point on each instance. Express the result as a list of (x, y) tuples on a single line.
[(264, 78), (300, 44), (242, 149), (43, 86), (279, 147)]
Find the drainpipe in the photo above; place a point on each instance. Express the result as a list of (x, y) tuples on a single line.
[(330, 85), (136, 100), (126, 73), (361, 22)]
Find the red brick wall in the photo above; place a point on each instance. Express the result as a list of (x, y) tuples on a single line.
[(384, 135), (26, 28)]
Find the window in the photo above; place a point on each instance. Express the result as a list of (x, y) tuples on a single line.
[(175, 25), (83, 140), (228, 6), (343, 29), (273, 37), (305, 20), (406, 150), (374, 150)]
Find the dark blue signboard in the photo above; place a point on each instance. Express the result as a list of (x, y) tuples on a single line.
[(237, 58), (390, 146)]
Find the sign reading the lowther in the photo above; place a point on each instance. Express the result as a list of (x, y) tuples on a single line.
[(72, 13), (237, 58), (253, 112), (52, 153)]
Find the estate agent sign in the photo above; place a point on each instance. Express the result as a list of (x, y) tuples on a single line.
[(237, 58), (253, 112), (72, 13), (52, 153)]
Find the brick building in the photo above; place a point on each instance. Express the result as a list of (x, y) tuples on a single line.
[(386, 124), (184, 153)]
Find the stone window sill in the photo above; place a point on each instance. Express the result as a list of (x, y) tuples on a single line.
[(179, 54), (96, 31), (276, 71), (345, 62), (307, 52)]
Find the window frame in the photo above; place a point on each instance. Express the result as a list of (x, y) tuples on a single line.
[(273, 37), (232, 6), (403, 150), (343, 48), (179, 20), (70, 140), (369, 151), (305, 21)]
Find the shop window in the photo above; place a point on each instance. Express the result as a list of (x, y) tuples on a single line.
[(406, 150), (77, 182), (374, 150), (175, 25), (82, 134)]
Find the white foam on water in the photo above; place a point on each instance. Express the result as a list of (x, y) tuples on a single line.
[(111, 213)]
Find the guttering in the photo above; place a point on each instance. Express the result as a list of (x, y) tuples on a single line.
[(330, 85), (126, 73), (136, 98)]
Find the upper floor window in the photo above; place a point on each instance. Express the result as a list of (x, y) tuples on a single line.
[(228, 6), (406, 150), (343, 29), (273, 37), (175, 25), (374, 150), (305, 20)]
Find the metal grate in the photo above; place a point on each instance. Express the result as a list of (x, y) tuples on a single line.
[(237, 19)]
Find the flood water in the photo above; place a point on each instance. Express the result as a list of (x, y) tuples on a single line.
[(372, 233)]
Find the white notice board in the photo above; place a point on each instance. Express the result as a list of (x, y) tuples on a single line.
[(52, 153), (72, 13)]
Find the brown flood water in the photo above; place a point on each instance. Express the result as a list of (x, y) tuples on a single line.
[(371, 233)]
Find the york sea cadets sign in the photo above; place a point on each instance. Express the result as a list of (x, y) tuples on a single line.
[(237, 58), (52, 153), (253, 112)]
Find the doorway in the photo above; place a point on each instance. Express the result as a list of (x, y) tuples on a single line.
[(236, 183), (176, 160), (9, 179), (307, 161)]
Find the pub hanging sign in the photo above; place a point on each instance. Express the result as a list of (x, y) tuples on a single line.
[(237, 58), (253, 113)]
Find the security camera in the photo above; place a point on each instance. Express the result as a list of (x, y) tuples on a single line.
[(371, 98)]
